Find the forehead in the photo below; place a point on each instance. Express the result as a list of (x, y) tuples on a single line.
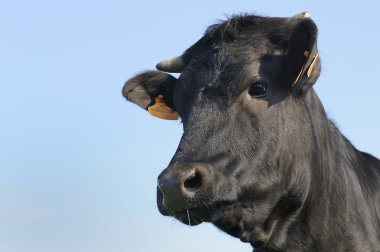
[(235, 42), (240, 31), (227, 54), (227, 48)]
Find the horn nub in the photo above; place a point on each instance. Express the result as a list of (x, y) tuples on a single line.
[(302, 15), (296, 18), (174, 65)]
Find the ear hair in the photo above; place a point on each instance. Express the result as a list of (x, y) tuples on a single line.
[(145, 87)]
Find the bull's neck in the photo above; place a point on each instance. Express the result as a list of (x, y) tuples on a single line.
[(333, 157), (336, 199)]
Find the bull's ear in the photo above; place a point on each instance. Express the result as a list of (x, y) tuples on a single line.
[(144, 88), (302, 61)]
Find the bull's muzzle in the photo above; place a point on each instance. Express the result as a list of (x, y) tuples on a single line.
[(181, 187)]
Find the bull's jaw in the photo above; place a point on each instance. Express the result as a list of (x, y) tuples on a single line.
[(260, 223), (239, 221)]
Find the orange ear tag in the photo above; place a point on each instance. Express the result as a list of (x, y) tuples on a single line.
[(161, 110), (311, 67), (306, 54)]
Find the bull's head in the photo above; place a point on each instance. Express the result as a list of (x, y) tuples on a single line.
[(245, 99)]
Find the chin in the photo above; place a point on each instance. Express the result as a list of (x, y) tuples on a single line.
[(234, 219)]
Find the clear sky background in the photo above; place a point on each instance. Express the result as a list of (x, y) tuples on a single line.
[(78, 164)]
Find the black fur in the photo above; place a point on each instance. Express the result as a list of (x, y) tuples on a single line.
[(272, 171)]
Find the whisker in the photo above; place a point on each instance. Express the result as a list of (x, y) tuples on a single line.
[(188, 216)]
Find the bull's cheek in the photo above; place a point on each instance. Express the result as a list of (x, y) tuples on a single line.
[(255, 108), (252, 104)]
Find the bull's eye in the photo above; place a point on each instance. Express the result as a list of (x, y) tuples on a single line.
[(258, 89)]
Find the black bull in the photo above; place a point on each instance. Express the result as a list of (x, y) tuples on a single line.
[(258, 157)]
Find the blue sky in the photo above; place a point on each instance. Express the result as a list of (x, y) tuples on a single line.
[(78, 164)]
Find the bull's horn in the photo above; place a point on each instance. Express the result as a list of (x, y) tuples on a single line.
[(174, 65)]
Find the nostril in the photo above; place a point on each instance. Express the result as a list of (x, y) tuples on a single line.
[(193, 182)]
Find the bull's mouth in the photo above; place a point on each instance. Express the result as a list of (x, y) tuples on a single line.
[(194, 215)]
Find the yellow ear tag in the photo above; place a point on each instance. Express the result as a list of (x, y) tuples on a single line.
[(161, 110)]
